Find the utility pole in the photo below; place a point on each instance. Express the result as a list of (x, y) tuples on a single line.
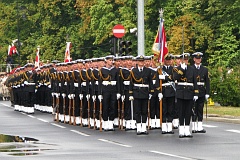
[(140, 28)]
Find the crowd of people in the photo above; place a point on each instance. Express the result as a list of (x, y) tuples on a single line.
[(131, 93)]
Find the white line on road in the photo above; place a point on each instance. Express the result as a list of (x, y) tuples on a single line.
[(6, 105), (81, 133), (58, 125), (42, 120), (31, 116), (233, 130), (116, 143), (209, 126), (171, 155)]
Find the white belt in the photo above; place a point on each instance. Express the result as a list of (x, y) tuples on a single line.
[(96, 82), (185, 84), (166, 84), (113, 83), (84, 84), (75, 84), (31, 84), (141, 85), (200, 83), (126, 83), (154, 81)]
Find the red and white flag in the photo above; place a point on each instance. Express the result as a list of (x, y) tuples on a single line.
[(159, 47), (37, 59), (12, 50), (67, 57)]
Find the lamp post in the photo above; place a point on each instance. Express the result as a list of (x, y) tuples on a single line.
[(18, 34)]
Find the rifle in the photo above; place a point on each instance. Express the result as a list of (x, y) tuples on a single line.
[(89, 125), (193, 110), (100, 116), (119, 115), (206, 108), (64, 106), (81, 113), (122, 116), (73, 112), (54, 107), (57, 108), (69, 111)]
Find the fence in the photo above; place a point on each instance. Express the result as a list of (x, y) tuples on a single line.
[(6, 68)]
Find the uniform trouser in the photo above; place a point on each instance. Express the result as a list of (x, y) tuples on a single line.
[(77, 103), (185, 110), (61, 103), (15, 96), (97, 106), (140, 109), (109, 105), (48, 97), (199, 105), (168, 106), (30, 99), (175, 110), (25, 97), (127, 106), (154, 107), (85, 106)]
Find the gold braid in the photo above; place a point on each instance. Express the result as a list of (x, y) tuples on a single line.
[(105, 79), (137, 80), (88, 77), (82, 76), (24, 74), (94, 76), (125, 79), (74, 78)]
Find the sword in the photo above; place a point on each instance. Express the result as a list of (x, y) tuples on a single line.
[(122, 116), (148, 114), (119, 117), (73, 112), (100, 116)]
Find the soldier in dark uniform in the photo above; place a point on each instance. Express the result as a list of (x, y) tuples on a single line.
[(186, 92), (204, 89), (141, 90), (168, 91), (109, 90)]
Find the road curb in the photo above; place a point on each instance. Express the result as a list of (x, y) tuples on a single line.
[(226, 118)]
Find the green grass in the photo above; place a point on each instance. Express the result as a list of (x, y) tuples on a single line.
[(223, 111)]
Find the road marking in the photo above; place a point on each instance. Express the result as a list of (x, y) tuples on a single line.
[(31, 116), (209, 126), (58, 125), (6, 105), (42, 120), (116, 143), (81, 133), (233, 130), (171, 155)]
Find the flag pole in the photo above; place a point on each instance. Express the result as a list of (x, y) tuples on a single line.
[(161, 64)]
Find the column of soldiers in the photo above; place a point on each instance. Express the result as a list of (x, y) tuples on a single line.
[(127, 92)]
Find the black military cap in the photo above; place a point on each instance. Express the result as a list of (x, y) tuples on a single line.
[(177, 56), (197, 55), (140, 58), (168, 57)]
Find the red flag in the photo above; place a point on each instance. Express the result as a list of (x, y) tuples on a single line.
[(160, 44), (37, 59), (67, 57), (12, 50)]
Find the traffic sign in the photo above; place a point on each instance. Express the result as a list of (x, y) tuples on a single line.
[(118, 31)]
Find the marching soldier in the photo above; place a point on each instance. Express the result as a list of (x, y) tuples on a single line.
[(186, 92), (108, 92), (168, 91), (141, 90), (204, 89)]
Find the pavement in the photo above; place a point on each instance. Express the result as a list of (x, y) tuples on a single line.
[(225, 118)]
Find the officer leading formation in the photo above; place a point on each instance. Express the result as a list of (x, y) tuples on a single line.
[(127, 92)]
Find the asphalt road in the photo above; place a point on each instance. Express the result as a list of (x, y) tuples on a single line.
[(64, 142)]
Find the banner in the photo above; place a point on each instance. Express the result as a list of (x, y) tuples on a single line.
[(67, 52)]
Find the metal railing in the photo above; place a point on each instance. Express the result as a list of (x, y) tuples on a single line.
[(7, 68)]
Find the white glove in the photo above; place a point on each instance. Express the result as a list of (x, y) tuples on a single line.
[(160, 96), (35, 90), (69, 96), (123, 98), (81, 96), (206, 97), (161, 77), (49, 86), (72, 95), (195, 98), (131, 98), (25, 82), (88, 96), (57, 95), (100, 97), (118, 96), (183, 66), (63, 95), (94, 98), (53, 94), (150, 96)]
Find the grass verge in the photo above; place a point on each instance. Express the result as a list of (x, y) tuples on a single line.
[(223, 111)]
